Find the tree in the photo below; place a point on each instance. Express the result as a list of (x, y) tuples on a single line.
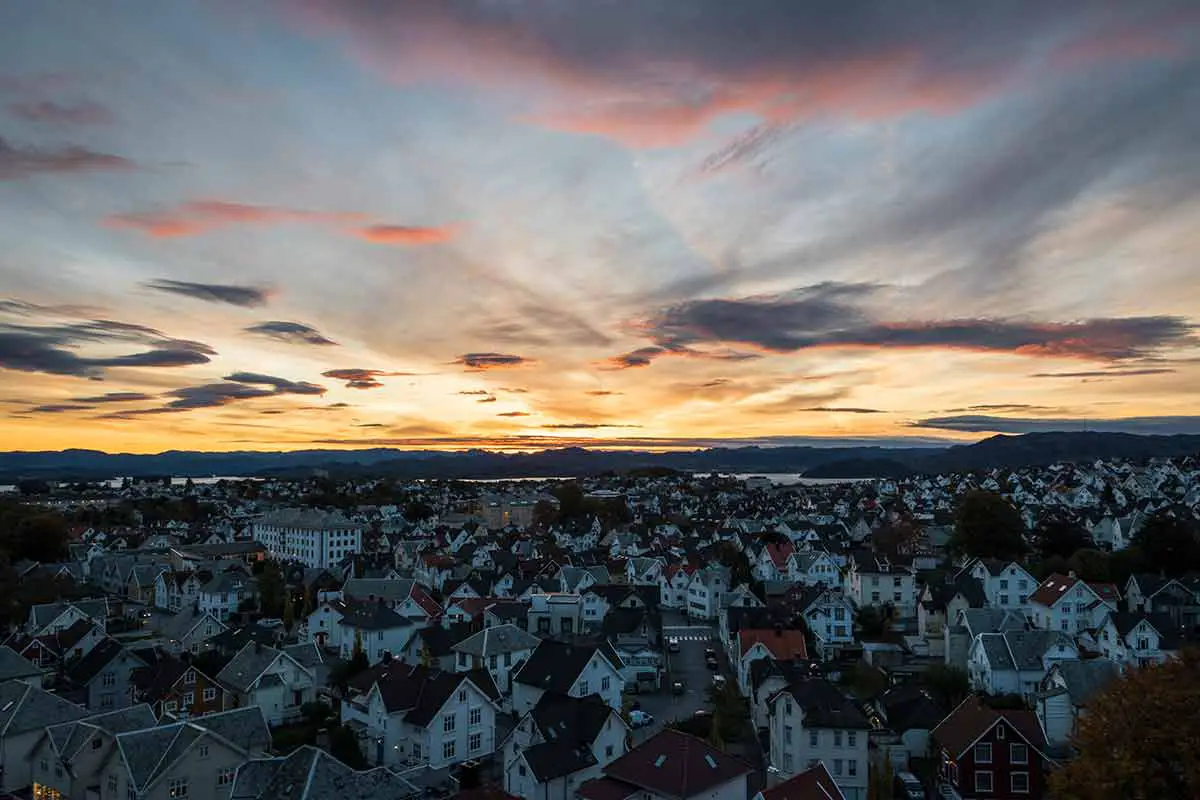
[(987, 526), (1140, 738), (896, 537), (42, 537), (1169, 543), (881, 781), (948, 685), (1058, 535), (289, 614), (343, 745), (1091, 565), (272, 592), (874, 621)]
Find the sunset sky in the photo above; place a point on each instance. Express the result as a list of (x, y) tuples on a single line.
[(281, 224)]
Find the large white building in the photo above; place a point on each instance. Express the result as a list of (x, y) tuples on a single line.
[(316, 538)]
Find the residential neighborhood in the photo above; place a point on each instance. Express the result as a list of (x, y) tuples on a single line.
[(667, 635)]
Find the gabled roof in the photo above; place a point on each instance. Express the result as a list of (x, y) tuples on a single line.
[(26, 708), (554, 666), (68, 737), (575, 720), (783, 644), (312, 774), (1084, 679), (677, 765), (496, 640), (814, 783), (371, 616), (420, 692), (14, 666), (824, 705), (85, 669), (972, 719), (1053, 588), (248, 665)]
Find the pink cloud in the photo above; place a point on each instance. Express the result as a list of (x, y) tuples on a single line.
[(201, 216), (405, 234), (47, 111)]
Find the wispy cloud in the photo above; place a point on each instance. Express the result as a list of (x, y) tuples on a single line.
[(484, 361), (358, 378), (410, 235), (25, 162), (1165, 425), (55, 349), (201, 216), (48, 111), (245, 296), (290, 332)]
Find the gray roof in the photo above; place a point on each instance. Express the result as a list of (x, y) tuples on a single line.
[(307, 653), (183, 622), (506, 638), (1020, 650), (990, 620), (1085, 678), (13, 665), (312, 774), (368, 588), (152, 751), (309, 518), (69, 737), (246, 667), (26, 708)]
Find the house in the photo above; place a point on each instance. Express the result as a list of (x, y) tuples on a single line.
[(874, 580), (1063, 696), (812, 722), (70, 756), (1014, 662), (673, 585), (777, 644), (1006, 584), (705, 591), (271, 679), (378, 628), (191, 630), (176, 688), (572, 669), (773, 562), (908, 715), (15, 667), (671, 765), (434, 647), (102, 677), (324, 777), (1155, 594), (555, 613), (59, 646), (224, 594), (814, 783), (1066, 603), (829, 615), (409, 715), (984, 752), (563, 742), (25, 711), (941, 601), (810, 567), (1138, 639), (49, 617), (499, 649), (969, 623)]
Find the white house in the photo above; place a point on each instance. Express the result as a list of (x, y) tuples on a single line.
[(571, 669), (705, 591), (1064, 693), (315, 538), (1015, 662), (1130, 640), (409, 715), (812, 722), (499, 649), (673, 585), (1065, 603), (1006, 584), (874, 580), (271, 679), (811, 567)]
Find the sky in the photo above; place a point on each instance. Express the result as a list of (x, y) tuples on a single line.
[(517, 224)]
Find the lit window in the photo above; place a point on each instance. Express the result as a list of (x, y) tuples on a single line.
[(177, 787)]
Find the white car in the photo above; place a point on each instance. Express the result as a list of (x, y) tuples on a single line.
[(640, 719)]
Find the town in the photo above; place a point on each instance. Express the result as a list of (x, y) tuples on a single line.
[(651, 634)]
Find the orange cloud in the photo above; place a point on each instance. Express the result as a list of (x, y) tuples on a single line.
[(406, 234), (200, 216)]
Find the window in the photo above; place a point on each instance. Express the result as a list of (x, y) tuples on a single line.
[(895, 597), (812, 738), (177, 787), (837, 766), (787, 734), (787, 762), (189, 677), (851, 738), (983, 781), (109, 679), (416, 750), (1020, 782), (874, 580), (1000, 732), (131, 793), (583, 689), (210, 694), (379, 636), (508, 659), (189, 699), (1064, 624), (225, 776), (787, 709), (837, 738), (1066, 609), (875, 597), (476, 742), (448, 750), (852, 767), (1018, 753), (521, 770), (896, 581), (172, 706), (1004, 584), (983, 753), (1143, 643), (492, 661), (605, 682), (462, 659), (462, 696), (1003, 599), (476, 716), (112, 784), (448, 723)]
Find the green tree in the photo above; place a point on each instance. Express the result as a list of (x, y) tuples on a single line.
[(1059, 535), (289, 614), (1140, 739), (881, 780), (343, 745), (1170, 544), (1091, 564), (946, 684), (272, 591), (987, 526), (42, 537), (875, 621)]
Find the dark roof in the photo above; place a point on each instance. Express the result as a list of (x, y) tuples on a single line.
[(419, 690), (620, 621), (554, 666), (910, 708), (509, 611), (561, 717), (155, 681), (85, 669), (440, 641), (814, 783), (369, 615), (943, 591), (676, 764), (549, 760), (825, 706), (965, 724)]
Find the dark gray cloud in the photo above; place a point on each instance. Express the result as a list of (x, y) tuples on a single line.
[(244, 296), (1106, 373), (290, 332), (990, 424), (603, 393), (587, 426), (836, 316), (844, 410), (481, 361), (279, 385), (54, 349), (26, 162), (50, 112), (115, 397), (59, 408), (513, 414), (358, 378), (475, 393), (488, 399)]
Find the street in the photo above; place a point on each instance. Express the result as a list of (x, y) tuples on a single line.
[(687, 666)]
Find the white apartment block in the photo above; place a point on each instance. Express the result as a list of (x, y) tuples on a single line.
[(316, 538)]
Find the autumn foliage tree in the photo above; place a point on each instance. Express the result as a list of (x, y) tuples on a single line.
[(1140, 739), (987, 526)]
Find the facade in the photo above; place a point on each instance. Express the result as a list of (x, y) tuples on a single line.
[(705, 591), (570, 669), (812, 722), (1065, 603), (174, 688), (1064, 694), (499, 649), (315, 538), (271, 679), (984, 753), (873, 580)]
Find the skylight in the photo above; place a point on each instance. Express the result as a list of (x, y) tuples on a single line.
[(709, 760), (658, 762)]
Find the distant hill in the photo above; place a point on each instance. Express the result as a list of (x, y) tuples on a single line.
[(1037, 449)]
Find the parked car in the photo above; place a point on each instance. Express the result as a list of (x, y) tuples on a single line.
[(640, 719), (711, 663), (673, 645), (718, 681), (710, 653), (907, 787), (677, 687)]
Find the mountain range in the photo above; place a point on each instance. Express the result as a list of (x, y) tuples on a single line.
[(1027, 450)]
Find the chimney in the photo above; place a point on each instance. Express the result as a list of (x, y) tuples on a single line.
[(1072, 575), (468, 775)]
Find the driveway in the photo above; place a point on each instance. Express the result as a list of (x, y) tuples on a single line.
[(688, 666)]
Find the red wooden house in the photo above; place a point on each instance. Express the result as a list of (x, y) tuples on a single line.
[(990, 753)]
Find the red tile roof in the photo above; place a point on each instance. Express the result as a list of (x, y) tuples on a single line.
[(423, 599), (676, 764), (785, 645), (815, 783), (780, 552), (606, 789), (1051, 589)]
